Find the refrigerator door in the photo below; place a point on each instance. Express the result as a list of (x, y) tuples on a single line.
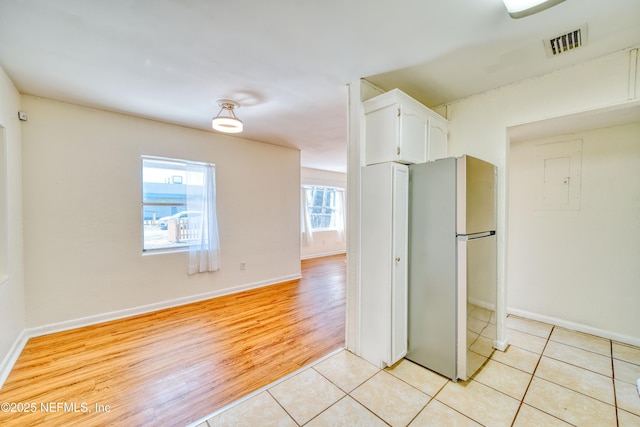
[(476, 182), (476, 304), (432, 266)]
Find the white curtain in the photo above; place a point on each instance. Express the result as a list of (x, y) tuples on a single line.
[(340, 215), (204, 251), (305, 217)]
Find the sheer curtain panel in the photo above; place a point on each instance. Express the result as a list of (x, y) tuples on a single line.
[(340, 215), (305, 221), (204, 250)]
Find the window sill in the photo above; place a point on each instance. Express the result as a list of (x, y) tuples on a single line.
[(164, 251)]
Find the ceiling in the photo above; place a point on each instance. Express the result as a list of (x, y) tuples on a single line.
[(286, 61)]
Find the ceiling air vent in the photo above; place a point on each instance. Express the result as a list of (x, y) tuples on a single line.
[(566, 42)]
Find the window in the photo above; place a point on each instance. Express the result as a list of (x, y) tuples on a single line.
[(322, 209), (173, 213), (322, 205)]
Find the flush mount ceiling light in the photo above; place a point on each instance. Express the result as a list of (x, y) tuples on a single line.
[(226, 120), (522, 8)]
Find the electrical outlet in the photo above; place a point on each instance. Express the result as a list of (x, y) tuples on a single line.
[(243, 265)]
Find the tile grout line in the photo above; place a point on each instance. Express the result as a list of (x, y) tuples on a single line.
[(578, 366), (551, 381), (533, 374), (472, 378), (348, 393), (431, 399), (365, 407), (582, 348), (436, 393), (613, 381), (615, 406), (442, 403), (426, 404), (283, 408)]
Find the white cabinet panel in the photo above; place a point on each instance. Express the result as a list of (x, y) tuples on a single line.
[(384, 263)]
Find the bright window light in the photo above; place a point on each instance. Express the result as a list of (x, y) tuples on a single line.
[(522, 8)]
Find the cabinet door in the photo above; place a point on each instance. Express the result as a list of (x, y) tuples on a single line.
[(437, 140), (399, 287), (414, 134), (381, 140), (376, 262)]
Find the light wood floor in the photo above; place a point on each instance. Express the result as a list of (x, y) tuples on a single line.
[(174, 366)]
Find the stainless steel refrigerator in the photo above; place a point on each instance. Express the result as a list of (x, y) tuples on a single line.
[(452, 265)]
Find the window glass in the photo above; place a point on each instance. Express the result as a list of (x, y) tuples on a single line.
[(166, 221), (321, 204)]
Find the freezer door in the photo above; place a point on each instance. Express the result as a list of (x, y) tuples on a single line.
[(477, 282), (476, 201)]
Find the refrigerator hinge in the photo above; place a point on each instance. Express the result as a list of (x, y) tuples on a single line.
[(398, 111), (398, 151)]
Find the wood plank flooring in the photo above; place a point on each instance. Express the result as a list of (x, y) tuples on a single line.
[(174, 366)]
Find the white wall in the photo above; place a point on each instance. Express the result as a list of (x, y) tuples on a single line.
[(580, 265), (82, 213), (479, 126), (324, 242), (12, 311)]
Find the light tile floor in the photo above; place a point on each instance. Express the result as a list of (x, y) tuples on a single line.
[(549, 376)]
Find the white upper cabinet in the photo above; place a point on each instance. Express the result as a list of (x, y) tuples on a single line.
[(400, 129)]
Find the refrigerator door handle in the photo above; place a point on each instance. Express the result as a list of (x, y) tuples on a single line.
[(467, 237)]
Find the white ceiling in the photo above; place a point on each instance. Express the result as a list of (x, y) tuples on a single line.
[(286, 61)]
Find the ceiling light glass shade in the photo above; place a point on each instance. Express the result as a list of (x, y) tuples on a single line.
[(522, 8), (227, 124), (226, 121)]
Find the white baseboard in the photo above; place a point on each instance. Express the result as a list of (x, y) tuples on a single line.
[(323, 254), (627, 339), (134, 311), (12, 356), (482, 304)]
